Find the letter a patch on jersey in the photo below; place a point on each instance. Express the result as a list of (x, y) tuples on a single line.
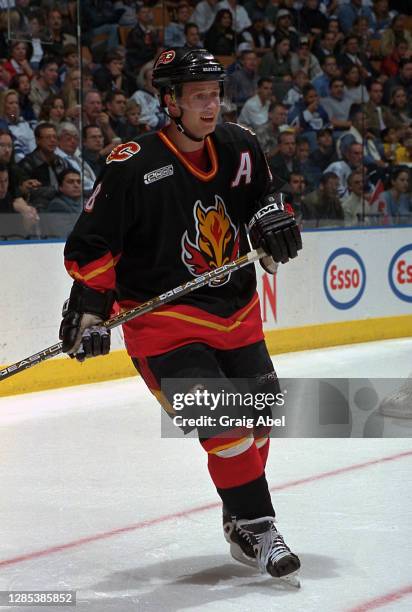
[(244, 170), (123, 152)]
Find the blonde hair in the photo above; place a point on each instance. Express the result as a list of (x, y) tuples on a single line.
[(3, 97)]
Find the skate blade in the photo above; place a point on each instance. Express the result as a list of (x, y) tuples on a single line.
[(291, 580), (239, 555)]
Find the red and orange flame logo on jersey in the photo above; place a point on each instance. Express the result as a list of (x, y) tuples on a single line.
[(217, 241), (123, 152)]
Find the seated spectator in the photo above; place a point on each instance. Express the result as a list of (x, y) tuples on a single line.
[(392, 35), (128, 18), (302, 155), (94, 153), (313, 21), (134, 126), (354, 203), (391, 143), (258, 35), (152, 113), (4, 76), (243, 82), (390, 64), (296, 188), (58, 37), (100, 18), (284, 28), (355, 90), (44, 166), (111, 76), (68, 141), (323, 205), (192, 36), (304, 60), (93, 114), (380, 17), (379, 116), (400, 107), (71, 94), (359, 132), (325, 47), (204, 15), (352, 56), (284, 161), (349, 12), (268, 133), (53, 110), (294, 14), (6, 199), (334, 27), (21, 84), (115, 102), (277, 64), (351, 160), (397, 203), (337, 105), (37, 37), (142, 43), (16, 187), (322, 156), (240, 17), (361, 30), (220, 38), (329, 71), (403, 154), (255, 111), (19, 60), (70, 62), (44, 85), (308, 114), (174, 32), (21, 131), (66, 206), (402, 79), (294, 95)]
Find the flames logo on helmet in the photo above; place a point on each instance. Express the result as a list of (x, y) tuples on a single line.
[(216, 244), (165, 58)]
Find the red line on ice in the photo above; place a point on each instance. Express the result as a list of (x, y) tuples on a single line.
[(383, 600), (170, 517)]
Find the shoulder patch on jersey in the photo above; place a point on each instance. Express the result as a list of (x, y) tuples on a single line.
[(122, 152)]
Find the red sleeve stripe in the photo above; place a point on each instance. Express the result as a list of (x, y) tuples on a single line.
[(99, 274)]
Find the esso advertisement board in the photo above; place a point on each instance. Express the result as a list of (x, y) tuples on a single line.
[(400, 273), (344, 278)]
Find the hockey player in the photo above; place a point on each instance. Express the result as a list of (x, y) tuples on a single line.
[(168, 207)]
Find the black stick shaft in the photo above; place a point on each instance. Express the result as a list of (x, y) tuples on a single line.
[(149, 306)]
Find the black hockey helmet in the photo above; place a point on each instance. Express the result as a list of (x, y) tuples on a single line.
[(175, 66)]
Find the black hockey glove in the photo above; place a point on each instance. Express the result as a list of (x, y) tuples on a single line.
[(275, 230), (80, 332)]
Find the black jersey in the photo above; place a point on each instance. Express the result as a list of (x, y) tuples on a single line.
[(154, 221)]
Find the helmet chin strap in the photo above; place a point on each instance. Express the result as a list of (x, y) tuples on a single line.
[(183, 130)]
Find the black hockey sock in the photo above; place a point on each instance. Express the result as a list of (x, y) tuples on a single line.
[(248, 501)]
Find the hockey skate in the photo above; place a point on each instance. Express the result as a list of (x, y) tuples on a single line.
[(271, 552), (241, 545)]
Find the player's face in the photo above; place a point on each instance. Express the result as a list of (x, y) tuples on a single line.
[(201, 104)]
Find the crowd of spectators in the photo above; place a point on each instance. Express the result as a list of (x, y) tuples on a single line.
[(326, 85)]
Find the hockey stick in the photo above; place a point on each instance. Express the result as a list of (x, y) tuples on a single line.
[(137, 311)]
